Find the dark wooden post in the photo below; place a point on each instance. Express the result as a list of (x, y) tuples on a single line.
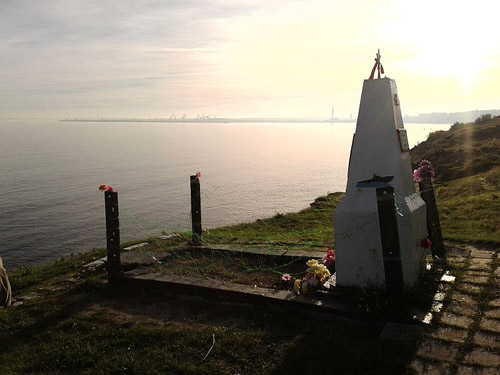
[(391, 251), (433, 223), (112, 233), (196, 209)]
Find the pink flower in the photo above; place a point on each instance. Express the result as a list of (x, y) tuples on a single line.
[(416, 176), (426, 243), (286, 278), (425, 172)]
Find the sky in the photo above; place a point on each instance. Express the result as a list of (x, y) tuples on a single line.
[(235, 58)]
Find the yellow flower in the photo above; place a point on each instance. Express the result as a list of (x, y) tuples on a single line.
[(312, 263), (296, 287)]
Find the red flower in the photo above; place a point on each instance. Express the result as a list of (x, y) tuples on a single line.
[(329, 257), (104, 187), (426, 243)]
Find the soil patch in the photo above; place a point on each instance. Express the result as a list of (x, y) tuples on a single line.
[(261, 270)]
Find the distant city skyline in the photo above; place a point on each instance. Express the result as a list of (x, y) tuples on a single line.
[(70, 58)]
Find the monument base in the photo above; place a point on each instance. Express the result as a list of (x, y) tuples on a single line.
[(359, 257)]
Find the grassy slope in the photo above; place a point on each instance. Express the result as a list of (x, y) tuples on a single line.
[(467, 163), (464, 150), (469, 207), (308, 228)]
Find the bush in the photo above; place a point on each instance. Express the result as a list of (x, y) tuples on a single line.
[(483, 119)]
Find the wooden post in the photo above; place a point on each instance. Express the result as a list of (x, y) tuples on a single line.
[(391, 251), (433, 223), (112, 233), (196, 209)]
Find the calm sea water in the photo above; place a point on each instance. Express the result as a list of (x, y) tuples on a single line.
[(50, 205)]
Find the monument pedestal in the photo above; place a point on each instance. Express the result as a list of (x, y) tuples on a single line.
[(379, 157)]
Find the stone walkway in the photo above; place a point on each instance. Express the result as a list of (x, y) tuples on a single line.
[(465, 338)]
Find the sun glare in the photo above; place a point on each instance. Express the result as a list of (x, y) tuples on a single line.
[(447, 39)]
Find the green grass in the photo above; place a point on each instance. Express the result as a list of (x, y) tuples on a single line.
[(308, 228), (468, 208)]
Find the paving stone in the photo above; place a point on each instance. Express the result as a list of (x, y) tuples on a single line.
[(487, 340), (477, 273), (476, 279), (462, 308), (466, 370), (460, 250), (423, 367), (456, 261), (496, 281), (469, 288), (450, 334), (460, 321), (464, 298), (494, 303), (495, 313), (482, 357), (463, 304), (438, 350), (480, 261), (492, 325), (485, 254), (480, 264)]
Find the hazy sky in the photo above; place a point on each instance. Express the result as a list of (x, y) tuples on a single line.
[(300, 58)]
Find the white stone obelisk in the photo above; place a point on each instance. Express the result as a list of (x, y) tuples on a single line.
[(379, 155)]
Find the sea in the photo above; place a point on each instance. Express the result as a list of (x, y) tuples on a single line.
[(50, 171)]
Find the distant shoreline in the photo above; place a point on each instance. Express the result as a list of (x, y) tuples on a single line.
[(214, 120), (423, 118)]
